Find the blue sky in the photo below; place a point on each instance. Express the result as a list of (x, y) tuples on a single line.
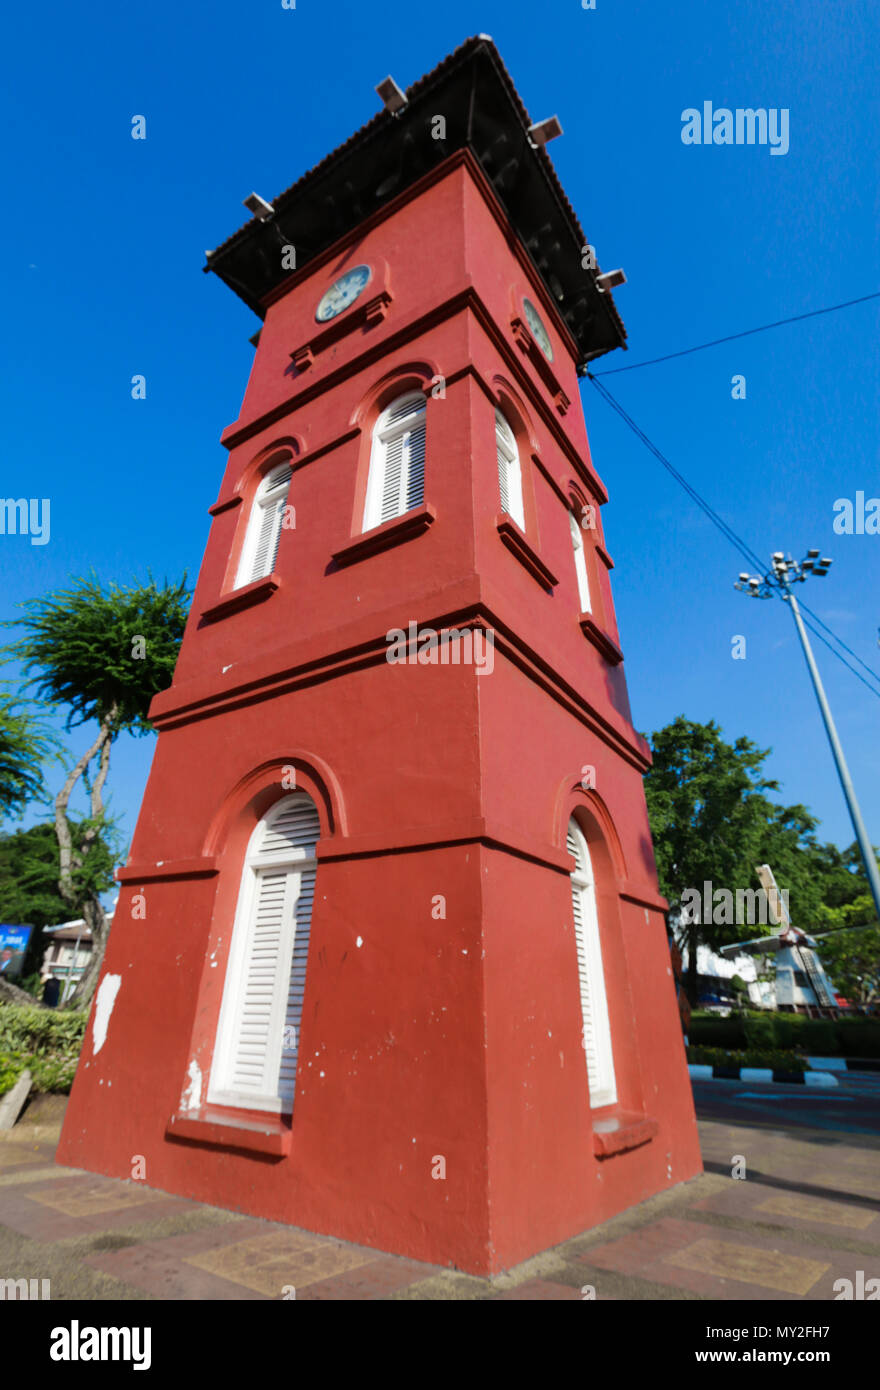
[(103, 242)]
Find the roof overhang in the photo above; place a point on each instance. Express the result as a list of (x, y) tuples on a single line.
[(483, 113)]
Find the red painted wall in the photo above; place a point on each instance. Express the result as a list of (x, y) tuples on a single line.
[(457, 1035)]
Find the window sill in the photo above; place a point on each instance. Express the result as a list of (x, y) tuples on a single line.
[(515, 540), (609, 649), (620, 1131), (219, 1128), (245, 597), (378, 538)]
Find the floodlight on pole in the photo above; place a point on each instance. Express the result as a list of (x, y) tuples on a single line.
[(610, 280), (394, 99), (784, 574), (258, 206), (542, 132)]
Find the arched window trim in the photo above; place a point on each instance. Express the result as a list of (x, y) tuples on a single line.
[(598, 1050), (509, 469), (580, 564), (260, 548), (277, 884), (396, 478)]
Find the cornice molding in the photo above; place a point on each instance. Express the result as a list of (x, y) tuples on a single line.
[(373, 651)]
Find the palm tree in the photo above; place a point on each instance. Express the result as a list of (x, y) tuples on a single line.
[(103, 653), (24, 745)]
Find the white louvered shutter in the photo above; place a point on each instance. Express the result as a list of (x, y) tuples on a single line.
[(591, 976), (264, 528), (509, 472), (259, 1034), (258, 1022), (580, 564), (296, 985), (397, 466)]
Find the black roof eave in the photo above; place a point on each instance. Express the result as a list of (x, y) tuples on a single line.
[(483, 113)]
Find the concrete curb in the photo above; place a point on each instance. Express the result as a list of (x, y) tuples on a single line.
[(808, 1078), (12, 1103), (844, 1063)]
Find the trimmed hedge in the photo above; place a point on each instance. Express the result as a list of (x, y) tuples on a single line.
[(12, 1064), (46, 1043), (777, 1059), (821, 1037)]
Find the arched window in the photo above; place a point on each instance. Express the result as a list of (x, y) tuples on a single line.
[(509, 472), (580, 564), (397, 464), (264, 526), (594, 1003), (258, 1034)]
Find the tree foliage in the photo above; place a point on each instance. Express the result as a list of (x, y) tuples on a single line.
[(29, 871), (852, 959), (712, 821), (103, 653), (25, 745)]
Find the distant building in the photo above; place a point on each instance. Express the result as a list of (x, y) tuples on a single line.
[(714, 974), (67, 955)]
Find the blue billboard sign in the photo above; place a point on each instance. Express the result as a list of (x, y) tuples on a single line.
[(13, 944)]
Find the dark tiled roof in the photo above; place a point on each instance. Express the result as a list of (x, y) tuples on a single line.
[(483, 110)]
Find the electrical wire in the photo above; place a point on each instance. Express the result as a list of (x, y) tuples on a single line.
[(870, 670), (718, 521), (816, 633), (747, 333), (728, 532)]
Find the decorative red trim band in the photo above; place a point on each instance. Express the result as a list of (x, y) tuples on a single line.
[(604, 644), (245, 597), (170, 868), (224, 506), (517, 544), (395, 532), (525, 341), (371, 312)]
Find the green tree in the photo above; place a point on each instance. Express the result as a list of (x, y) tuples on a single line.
[(712, 821), (846, 894), (25, 745), (29, 872), (706, 806), (852, 959), (103, 653)]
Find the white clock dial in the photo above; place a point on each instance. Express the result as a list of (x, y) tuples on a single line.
[(537, 329), (342, 293)]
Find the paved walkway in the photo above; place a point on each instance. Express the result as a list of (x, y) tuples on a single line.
[(806, 1214)]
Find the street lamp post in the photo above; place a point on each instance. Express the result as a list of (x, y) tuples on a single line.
[(784, 574)]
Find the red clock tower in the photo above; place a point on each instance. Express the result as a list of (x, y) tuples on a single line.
[(389, 959)]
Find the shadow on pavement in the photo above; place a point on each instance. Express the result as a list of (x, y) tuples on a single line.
[(831, 1194)]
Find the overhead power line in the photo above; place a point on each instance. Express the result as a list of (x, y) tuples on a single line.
[(816, 633), (747, 333), (727, 530), (870, 670)]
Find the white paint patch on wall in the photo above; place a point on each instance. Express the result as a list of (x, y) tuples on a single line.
[(192, 1094), (103, 1009)]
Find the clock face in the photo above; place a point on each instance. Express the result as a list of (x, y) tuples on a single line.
[(342, 293), (538, 331)]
